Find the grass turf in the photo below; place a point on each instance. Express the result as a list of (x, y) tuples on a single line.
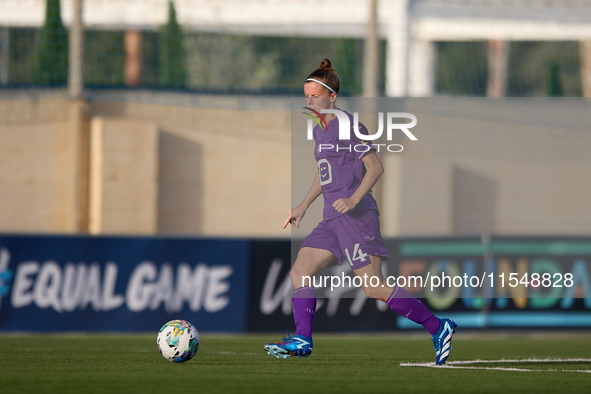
[(238, 364)]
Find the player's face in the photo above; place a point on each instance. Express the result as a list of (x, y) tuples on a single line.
[(317, 96)]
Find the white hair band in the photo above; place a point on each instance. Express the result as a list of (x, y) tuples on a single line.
[(322, 83)]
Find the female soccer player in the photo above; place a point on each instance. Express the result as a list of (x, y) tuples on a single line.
[(350, 228)]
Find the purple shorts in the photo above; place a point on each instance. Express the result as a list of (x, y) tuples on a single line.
[(352, 237)]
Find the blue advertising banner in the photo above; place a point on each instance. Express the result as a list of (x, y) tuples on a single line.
[(528, 282), (80, 283)]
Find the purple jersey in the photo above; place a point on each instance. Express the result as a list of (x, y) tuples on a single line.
[(340, 167)]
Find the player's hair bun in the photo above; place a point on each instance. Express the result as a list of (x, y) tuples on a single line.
[(326, 65), (327, 75)]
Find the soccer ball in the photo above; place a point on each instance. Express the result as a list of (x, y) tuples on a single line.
[(178, 341)]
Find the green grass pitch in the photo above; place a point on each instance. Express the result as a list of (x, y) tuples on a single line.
[(366, 363)]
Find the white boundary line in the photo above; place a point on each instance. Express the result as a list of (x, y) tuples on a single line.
[(463, 364)]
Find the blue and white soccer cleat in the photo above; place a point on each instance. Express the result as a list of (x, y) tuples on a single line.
[(442, 340), (297, 345)]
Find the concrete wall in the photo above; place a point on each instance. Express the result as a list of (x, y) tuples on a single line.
[(214, 165), (155, 169), (35, 185), (123, 179), (486, 166), (221, 171)]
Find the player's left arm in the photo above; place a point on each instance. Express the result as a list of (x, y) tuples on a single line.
[(374, 170)]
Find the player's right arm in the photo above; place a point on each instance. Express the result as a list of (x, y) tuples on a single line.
[(295, 215)]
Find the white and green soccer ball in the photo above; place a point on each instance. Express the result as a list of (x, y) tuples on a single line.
[(178, 341)]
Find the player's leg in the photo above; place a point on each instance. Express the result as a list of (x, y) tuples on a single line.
[(404, 303), (309, 262), (399, 300), (364, 247), (374, 284), (319, 251)]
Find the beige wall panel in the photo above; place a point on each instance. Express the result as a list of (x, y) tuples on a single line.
[(27, 110), (426, 196), (129, 208), (390, 199), (235, 186), (503, 178), (32, 180), (255, 124), (222, 172), (524, 198), (124, 180), (180, 185)]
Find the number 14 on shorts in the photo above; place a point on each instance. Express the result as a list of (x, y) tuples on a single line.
[(358, 255)]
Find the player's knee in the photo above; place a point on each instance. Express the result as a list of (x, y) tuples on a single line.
[(296, 278), (300, 278), (371, 292)]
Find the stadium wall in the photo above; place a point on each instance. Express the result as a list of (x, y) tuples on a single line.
[(35, 183), (210, 165), (155, 168), (509, 166)]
